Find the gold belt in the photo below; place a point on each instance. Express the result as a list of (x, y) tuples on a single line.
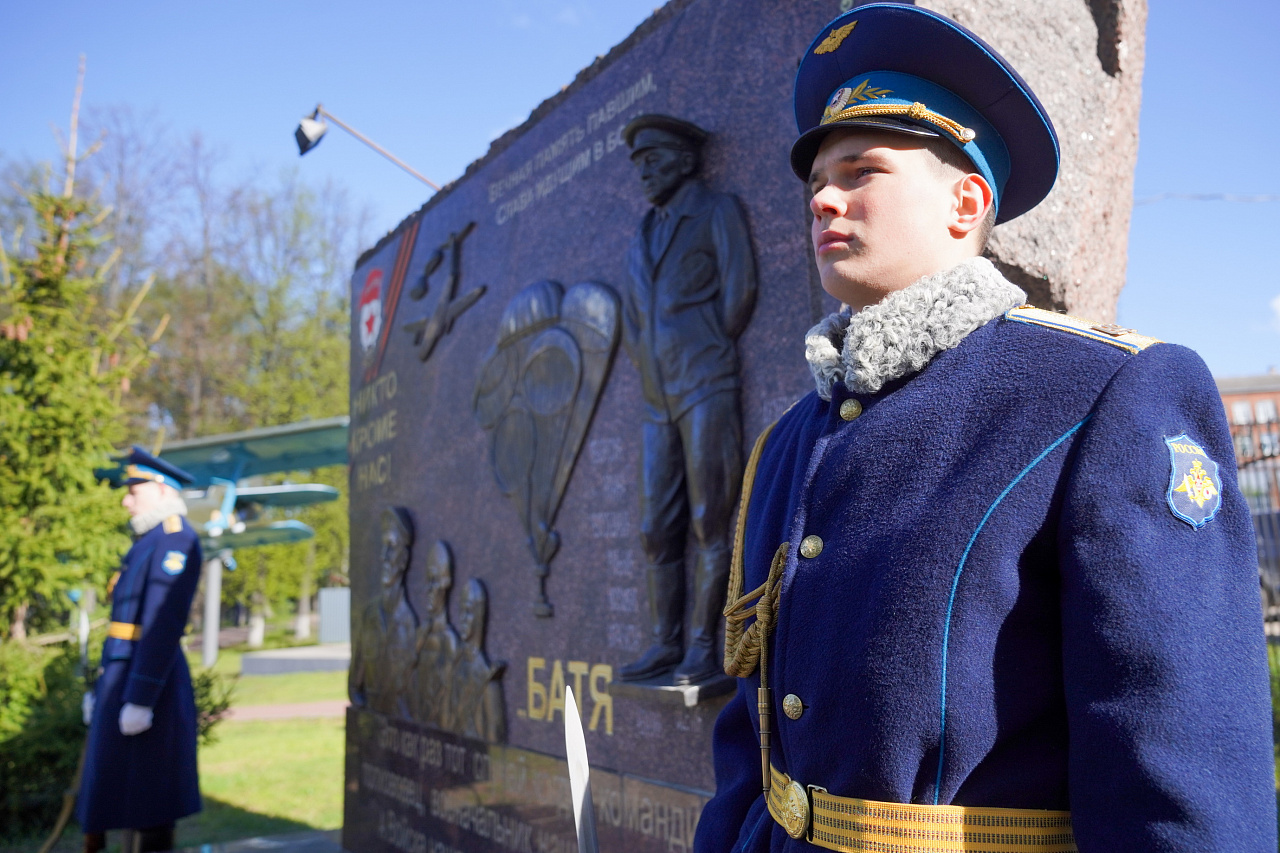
[(845, 823), (125, 631)]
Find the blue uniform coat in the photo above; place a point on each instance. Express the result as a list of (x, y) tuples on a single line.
[(1006, 611), (149, 779)]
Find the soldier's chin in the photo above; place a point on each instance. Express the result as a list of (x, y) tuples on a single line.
[(658, 196)]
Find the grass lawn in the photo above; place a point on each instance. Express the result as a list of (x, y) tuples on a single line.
[(292, 687), (268, 777), (263, 777)]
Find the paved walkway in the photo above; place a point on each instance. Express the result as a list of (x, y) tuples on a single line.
[(327, 657), (289, 710), (227, 637)]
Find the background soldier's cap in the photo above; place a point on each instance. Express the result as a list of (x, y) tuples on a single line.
[(895, 67), (687, 135), (139, 466)]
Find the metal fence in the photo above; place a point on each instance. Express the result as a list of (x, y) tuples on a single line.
[(1258, 458)]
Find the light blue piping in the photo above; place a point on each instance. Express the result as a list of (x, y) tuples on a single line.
[(955, 583)]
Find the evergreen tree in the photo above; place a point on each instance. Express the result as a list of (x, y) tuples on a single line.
[(62, 375)]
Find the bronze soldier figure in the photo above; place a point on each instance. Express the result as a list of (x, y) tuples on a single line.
[(693, 292)]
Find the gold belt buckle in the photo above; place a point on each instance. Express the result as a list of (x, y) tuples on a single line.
[(797, 809)]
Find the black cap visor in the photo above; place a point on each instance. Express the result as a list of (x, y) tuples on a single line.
[(805, 149)]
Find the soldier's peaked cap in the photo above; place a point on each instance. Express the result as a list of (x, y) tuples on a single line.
[(688, 132), (895, 67), (139, 466)]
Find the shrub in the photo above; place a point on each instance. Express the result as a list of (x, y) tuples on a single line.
[(42, 733), (213, 700)]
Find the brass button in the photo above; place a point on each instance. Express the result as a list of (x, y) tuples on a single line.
[(810, 546), (850, 409), (792, 706)]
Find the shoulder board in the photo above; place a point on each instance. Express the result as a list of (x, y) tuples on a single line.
[(1108, 333), (173, 524)]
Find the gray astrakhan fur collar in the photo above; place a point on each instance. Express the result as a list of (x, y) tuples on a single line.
[(172, 505), (900, 334)]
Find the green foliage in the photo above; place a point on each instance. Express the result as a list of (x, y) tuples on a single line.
[(250, 278), (214, 694), (61, 376), (1273, 659), (41, 734), (293, 350)]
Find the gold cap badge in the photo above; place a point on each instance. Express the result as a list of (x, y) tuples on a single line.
[(835, 38)]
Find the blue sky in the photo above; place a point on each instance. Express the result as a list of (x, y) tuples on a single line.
[(435, 81)]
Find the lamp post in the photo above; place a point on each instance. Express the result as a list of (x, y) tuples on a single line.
[(312, 128)]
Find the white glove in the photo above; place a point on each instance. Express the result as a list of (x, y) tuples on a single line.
[(86, 708), (134, 719)]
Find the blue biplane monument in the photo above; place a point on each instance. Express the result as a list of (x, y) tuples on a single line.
[(229, 513)]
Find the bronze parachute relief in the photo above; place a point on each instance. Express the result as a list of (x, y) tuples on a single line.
[(537, 392)]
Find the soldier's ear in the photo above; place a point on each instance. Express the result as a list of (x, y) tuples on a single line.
[(973, 202), (688, 162)]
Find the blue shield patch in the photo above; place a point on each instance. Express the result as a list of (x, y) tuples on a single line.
[(1195, 489), (174, 562)]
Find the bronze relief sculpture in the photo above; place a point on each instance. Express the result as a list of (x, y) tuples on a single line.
[(537, 392), (479, 710), (449, 306), (426, 670), (437, 642), (383, 646), (692, 294)]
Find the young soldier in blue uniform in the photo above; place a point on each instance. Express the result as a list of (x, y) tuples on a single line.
[(140, 768), (994, 585)]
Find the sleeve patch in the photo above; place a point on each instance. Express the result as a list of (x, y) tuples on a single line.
[(174, 562), (1195, 487)]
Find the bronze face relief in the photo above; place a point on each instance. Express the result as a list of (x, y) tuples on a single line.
[(458, 689), (437, 642), (476, 696), (382, 650), (426, 669), (692, 293), (537, 392)]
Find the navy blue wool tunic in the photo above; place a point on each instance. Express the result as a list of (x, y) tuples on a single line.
[(1006, 610), (148, 779)]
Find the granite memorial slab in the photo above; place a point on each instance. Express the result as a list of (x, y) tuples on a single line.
[(557, 365)]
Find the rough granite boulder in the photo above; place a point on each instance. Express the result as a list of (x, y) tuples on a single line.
[(1084, 59)]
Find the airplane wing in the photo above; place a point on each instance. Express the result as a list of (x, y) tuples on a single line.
[(301, 494), (236, 455), (271, 533)]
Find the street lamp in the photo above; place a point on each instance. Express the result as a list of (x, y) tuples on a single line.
[(311, 130)]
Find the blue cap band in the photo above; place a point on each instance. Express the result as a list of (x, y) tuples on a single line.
[(907, 99), (135, 473)]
